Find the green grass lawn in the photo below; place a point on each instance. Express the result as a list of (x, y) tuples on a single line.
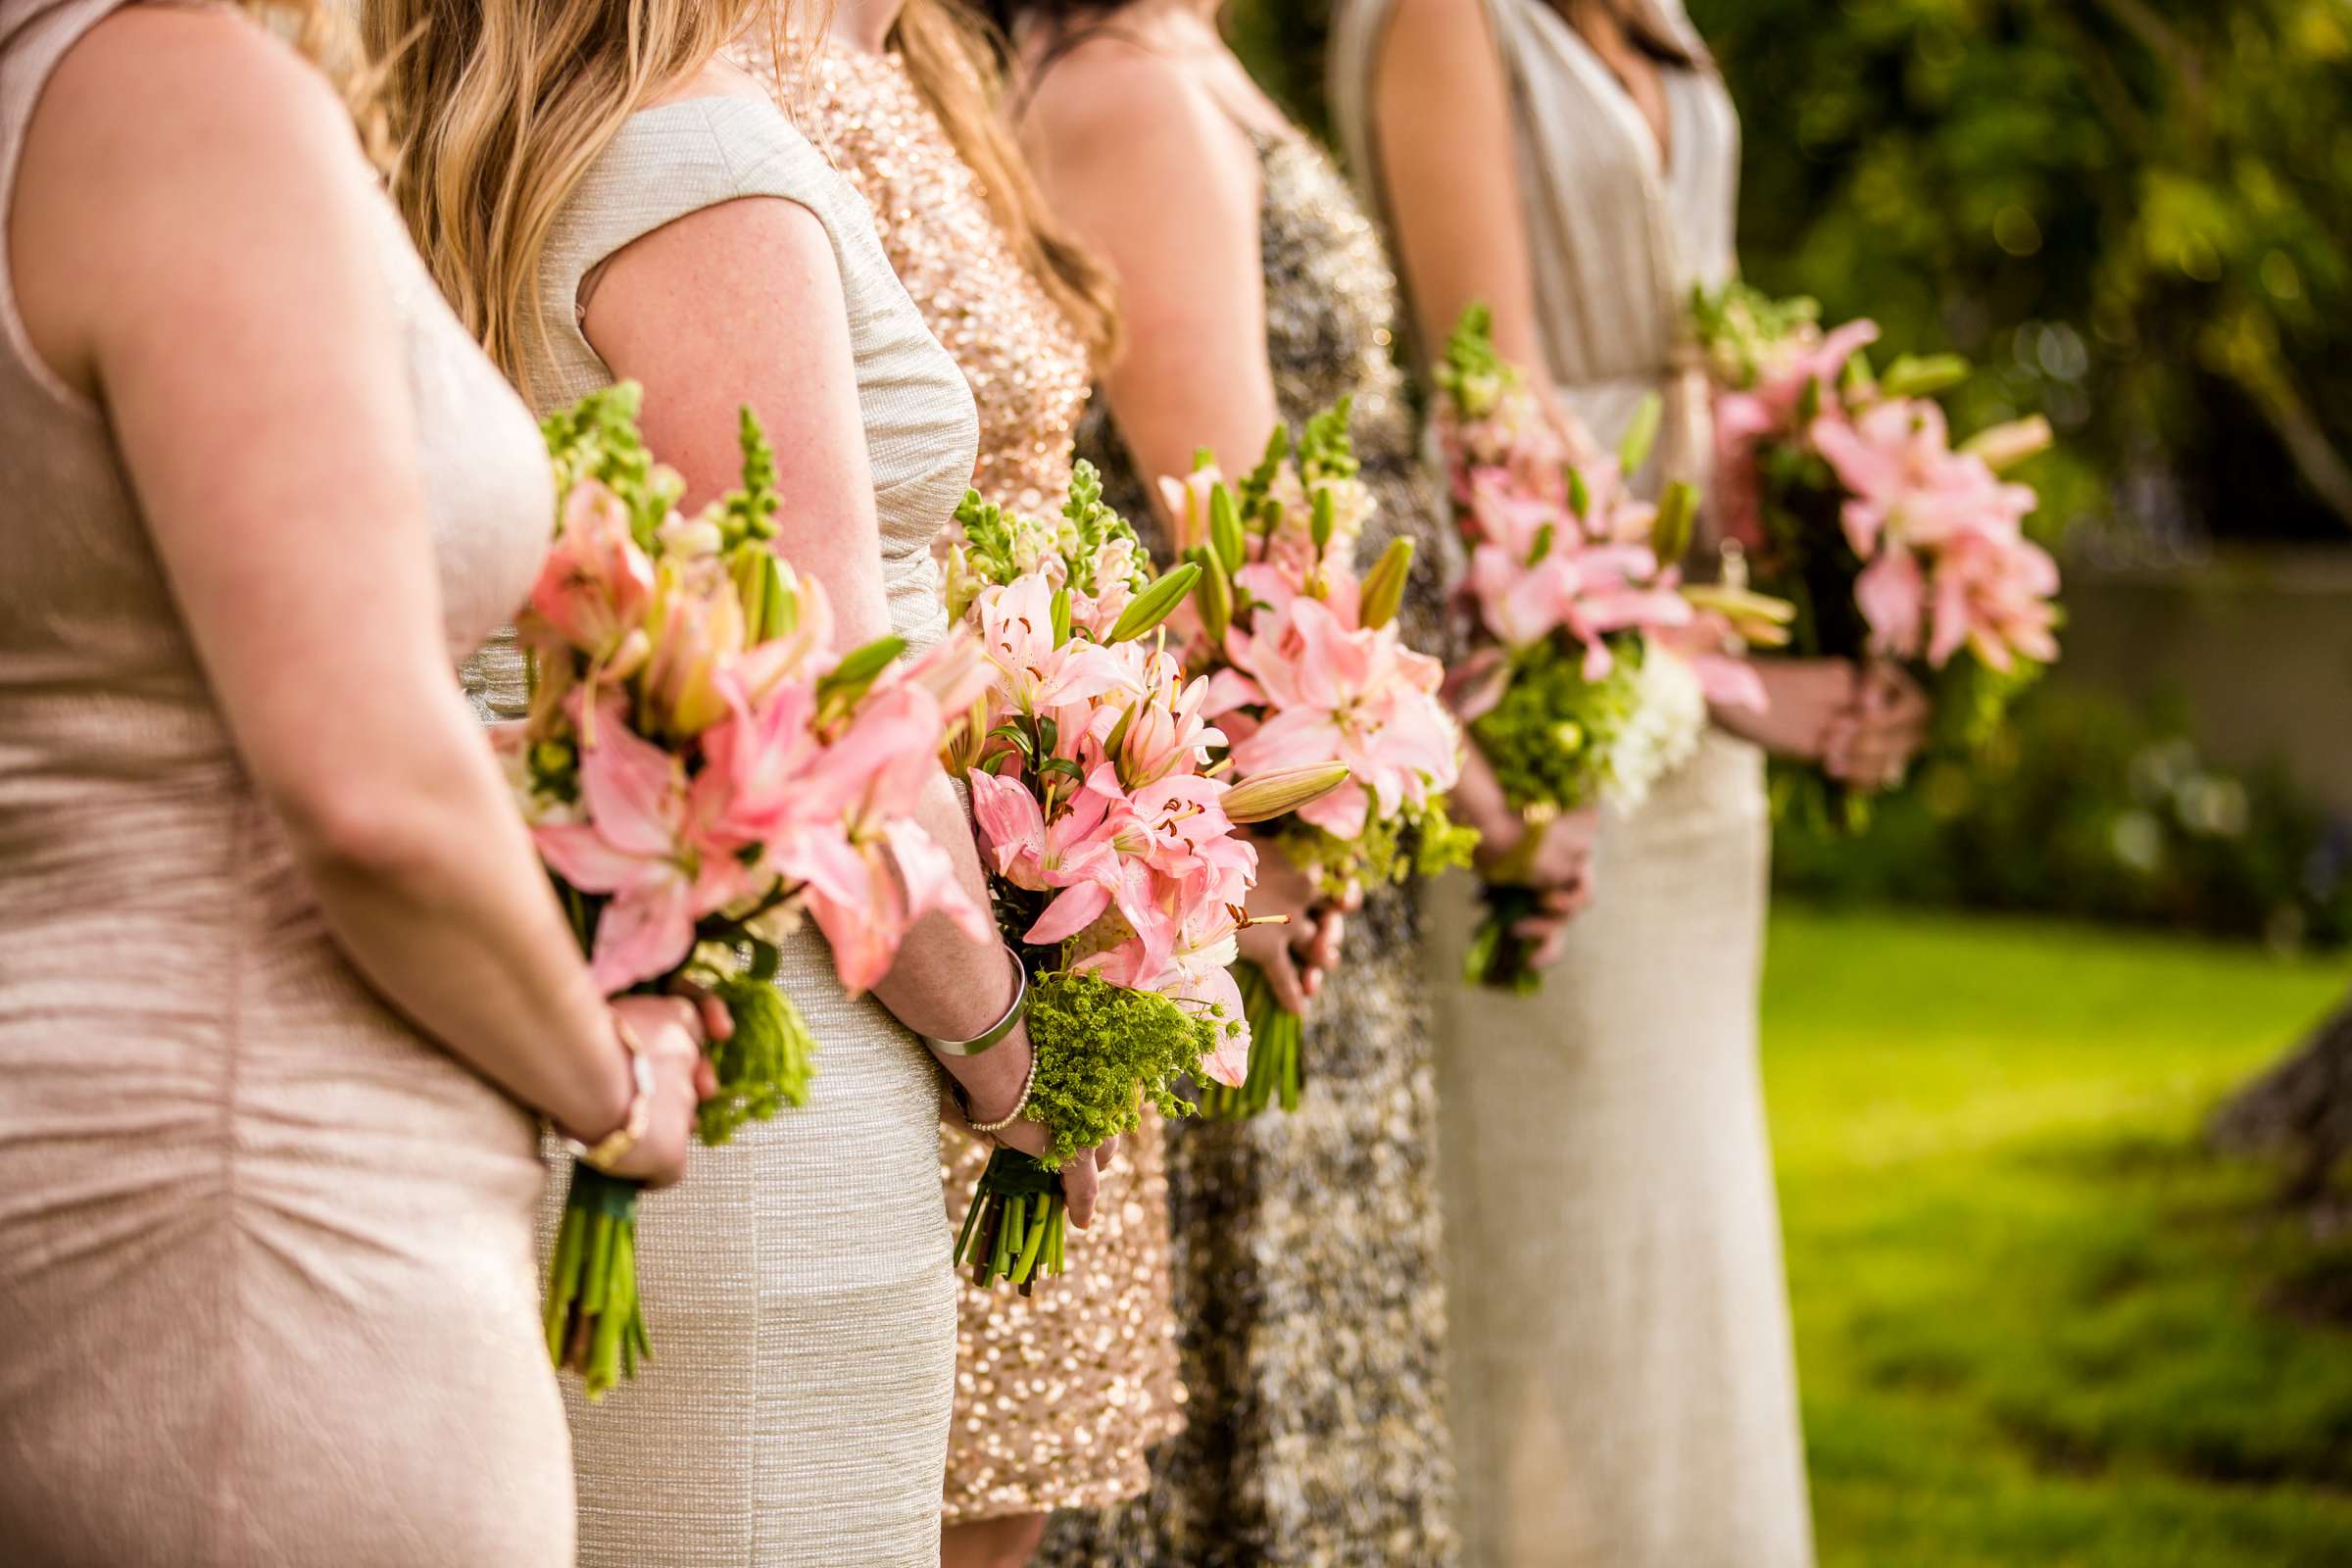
[(2035, 1324)]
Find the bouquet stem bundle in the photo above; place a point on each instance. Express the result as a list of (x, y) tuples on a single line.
[(595, 1324), (1013, 1230)]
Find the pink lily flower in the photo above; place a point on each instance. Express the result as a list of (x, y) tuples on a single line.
[(643, 845), (868, 875), (595, 586), (1036, 673), (1993, 594), (1336, 693)]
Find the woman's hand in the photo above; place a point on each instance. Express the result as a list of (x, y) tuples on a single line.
[(1809, 698), (1080, 1181), (1300, 950), (1558, 864), (670, 1030), (1872, 747)]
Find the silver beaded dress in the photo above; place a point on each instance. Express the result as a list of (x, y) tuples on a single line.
[(1307, 1260)]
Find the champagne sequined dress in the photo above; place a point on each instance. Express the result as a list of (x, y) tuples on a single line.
[(1059, 1396), (1309, 1296)]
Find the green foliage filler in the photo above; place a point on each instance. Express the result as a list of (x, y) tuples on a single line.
[(1418, 841), (766, 1065), (1543, 736), (1095, 1041)]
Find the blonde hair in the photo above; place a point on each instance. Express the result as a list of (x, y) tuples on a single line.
[(951, 57), (498, 108)]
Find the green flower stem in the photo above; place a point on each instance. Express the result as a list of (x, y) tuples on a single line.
[(1013, 1230), (593, 1319), (1499, 958)]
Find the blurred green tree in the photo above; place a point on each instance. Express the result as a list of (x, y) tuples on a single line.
[(2136, 221)]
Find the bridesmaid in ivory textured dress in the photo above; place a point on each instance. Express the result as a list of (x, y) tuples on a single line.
[(663, 221), (282, 982), (1059, 1396), (1306, 1249), (1625, 1392)]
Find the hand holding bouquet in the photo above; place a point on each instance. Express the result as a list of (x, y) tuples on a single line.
[(1595, 665), (1852, 502), (1308, 671), (1117, 872), (700, 769)]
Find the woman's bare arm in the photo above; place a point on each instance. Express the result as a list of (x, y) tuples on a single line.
[(1164, 189), (741, 304), (206, 270), (1448, 168)]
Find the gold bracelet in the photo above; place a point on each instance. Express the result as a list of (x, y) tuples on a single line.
[(617, 1144)]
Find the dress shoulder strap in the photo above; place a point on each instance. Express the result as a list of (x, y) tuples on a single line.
[(666, 164), (34, 36)]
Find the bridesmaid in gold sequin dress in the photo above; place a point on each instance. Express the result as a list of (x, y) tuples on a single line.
[(1059, 1396), (1307, 1245)]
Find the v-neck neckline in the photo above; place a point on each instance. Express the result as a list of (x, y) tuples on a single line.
[(1664, 154)]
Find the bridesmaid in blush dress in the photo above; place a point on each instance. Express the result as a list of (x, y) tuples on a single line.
[(282, 982), (1624, 1383), (1061, 1394)]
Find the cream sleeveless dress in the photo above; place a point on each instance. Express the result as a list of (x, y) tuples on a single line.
[(1623, 1380), (797, 1285), (265, 1259)]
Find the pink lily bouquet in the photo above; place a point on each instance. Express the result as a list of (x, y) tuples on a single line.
[(1308, 671), (1120, 872), (700, 770), (1852, 503), (1595, 663)]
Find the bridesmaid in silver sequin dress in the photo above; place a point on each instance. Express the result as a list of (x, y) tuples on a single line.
[(1307, 1291)]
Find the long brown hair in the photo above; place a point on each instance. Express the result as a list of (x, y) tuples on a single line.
[(499, 108), (951, 56)]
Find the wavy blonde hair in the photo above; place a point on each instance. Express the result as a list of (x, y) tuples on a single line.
[(498, 108), (951, 56)]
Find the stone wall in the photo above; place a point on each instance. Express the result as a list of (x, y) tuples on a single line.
[(2258, 642)]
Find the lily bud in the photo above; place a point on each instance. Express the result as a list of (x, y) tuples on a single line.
[(1382, 588), (1580, 495), (1225, 530), (1324, 519), (2004, 446), (1912, 377), (1678, 514), (1641, 433), (1212, 595), (1282, 791), (1154, 604), (1061, 616), (1759, 620)]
